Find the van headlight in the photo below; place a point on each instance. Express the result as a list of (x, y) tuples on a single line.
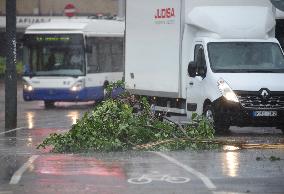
[(226, 91), (27, 87), (79, 85)]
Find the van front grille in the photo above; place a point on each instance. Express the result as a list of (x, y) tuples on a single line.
[(254, 100)]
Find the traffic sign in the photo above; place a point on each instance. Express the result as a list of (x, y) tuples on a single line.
[(69, 10)]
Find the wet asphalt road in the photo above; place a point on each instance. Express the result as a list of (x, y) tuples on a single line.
[(217, 172), (24, 169)]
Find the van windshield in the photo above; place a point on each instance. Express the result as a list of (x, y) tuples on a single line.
[(54, 55), (238, 57)]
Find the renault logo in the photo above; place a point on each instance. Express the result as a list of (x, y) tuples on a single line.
[(265, 93)]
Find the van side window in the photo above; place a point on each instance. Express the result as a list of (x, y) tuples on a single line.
[(107, 55), (199, 58)]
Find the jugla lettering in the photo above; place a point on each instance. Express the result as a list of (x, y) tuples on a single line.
[(165, 13)]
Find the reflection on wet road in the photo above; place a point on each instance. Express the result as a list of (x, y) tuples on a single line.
[(231, 163), (74, 116), (75, 171)]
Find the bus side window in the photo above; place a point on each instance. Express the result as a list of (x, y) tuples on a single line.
[(117, 55), (93, 65), (106, 56)]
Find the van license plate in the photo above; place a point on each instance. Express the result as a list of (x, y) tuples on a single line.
[(265, 113)]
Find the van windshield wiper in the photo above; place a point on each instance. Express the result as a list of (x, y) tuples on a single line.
[(30, 74), (260, 71), (61, 74)]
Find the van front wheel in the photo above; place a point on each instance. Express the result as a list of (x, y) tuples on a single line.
[(282, 129), (219, 126)]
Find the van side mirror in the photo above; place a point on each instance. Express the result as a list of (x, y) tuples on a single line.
[(191, 70), (89, 48), (202, 71)]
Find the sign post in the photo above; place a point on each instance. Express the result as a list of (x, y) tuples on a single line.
[(10, 73)]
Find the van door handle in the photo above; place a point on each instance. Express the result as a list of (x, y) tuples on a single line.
[(191, 83)]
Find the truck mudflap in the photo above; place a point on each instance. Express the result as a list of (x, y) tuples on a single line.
[(235, 114)]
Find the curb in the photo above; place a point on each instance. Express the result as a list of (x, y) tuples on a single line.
[(16, 129)]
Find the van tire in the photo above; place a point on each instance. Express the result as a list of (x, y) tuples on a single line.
[(219, 126), (282, 129), (49, 104)]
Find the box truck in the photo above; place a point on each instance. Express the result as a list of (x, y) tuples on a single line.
[(219, 58)]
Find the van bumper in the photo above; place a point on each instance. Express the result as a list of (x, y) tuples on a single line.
[(234, 114)]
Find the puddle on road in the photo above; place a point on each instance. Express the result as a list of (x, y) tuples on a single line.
[(230, 148), (231, 161), (231, 156), (74, 116), (30, 119), (70, 164)]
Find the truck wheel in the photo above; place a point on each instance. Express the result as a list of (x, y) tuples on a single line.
[(219, 126), (49, 104)]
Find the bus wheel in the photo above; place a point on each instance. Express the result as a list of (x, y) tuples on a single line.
[(219, 126), (49, 104)]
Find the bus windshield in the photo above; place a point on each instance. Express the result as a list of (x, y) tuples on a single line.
[(238, 57), (54, 55)]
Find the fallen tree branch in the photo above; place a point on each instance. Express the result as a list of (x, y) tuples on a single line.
[(158, 129), (178, 126), (194, 140)]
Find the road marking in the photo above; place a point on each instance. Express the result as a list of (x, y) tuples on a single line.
[(208, 183), (20, 128), (18, 174), (156, 176), (226, 192)]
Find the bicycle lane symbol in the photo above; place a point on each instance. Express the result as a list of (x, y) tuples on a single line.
[(148, 178)]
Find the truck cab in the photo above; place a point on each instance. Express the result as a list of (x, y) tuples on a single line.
[(236, 67), (237, 82)]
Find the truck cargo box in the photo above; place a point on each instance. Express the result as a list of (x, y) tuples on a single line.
[(153, 36)]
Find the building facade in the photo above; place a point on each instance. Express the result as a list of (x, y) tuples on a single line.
[(56, 7), (36, 11)]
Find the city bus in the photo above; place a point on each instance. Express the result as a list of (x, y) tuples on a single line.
[(72, 60)]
